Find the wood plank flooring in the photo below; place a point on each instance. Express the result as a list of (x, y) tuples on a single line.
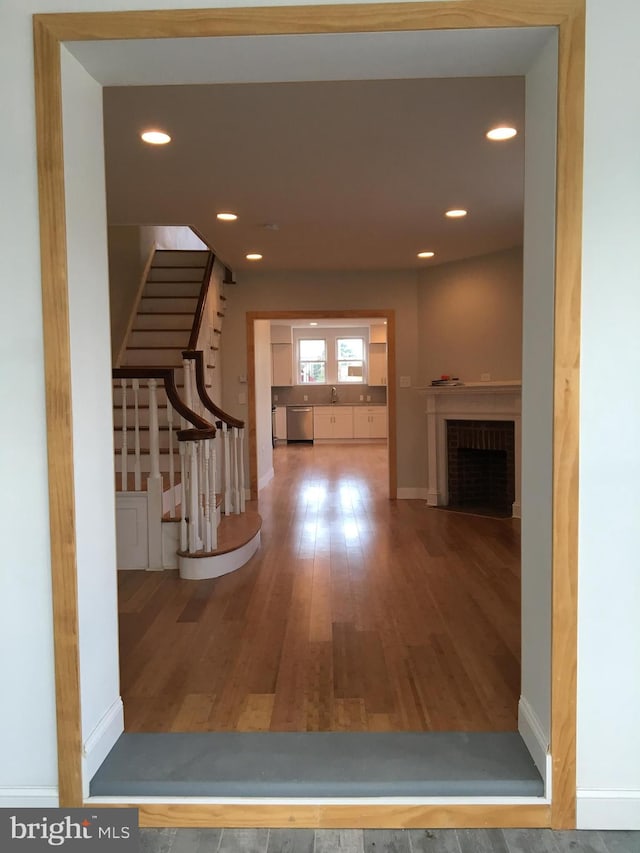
[(386, 841), (357, 614)]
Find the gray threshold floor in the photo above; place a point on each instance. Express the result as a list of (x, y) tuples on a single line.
[(319, 764), (385, 841)]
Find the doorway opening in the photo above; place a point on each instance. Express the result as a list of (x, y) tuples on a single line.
[(49, 36)]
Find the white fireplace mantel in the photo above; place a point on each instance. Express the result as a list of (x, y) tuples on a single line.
[(486, 401)]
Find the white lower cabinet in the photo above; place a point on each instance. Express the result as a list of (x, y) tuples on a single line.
[(332, 422), (370, 422), (281, 423)]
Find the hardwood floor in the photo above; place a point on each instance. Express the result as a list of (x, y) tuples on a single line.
[(357, 614)]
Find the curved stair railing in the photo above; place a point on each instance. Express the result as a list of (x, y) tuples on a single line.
[(230, 435), (197, 453)]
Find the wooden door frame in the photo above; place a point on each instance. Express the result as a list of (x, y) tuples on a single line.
[(50, 30), (387, 314)]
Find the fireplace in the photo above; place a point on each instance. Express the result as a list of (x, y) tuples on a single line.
[(481, 465), (487, 416)]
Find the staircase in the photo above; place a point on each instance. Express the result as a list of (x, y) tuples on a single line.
[(180, 490)]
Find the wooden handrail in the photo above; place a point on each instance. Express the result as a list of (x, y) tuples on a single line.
[(198, 357), (202, 299), (201, 428)]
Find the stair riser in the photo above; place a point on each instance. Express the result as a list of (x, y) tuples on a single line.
[(140, 338), (157, 357), (163, 321), (171, 288), (145, 464), (167, 306), (193, 274), (163, 440)]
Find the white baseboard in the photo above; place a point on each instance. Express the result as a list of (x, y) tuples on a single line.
[(532, 733), (412, 493), (266, 478), (607, 809), (27, 797), (101, 740)]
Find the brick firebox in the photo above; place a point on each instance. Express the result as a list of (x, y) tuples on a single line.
[(481, 464)]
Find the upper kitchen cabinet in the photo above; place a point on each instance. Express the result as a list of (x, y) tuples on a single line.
[(377, 372), (378, 334), (281, 356)]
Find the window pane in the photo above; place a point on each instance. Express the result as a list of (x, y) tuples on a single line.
[(312, 371), (313, 350), (351, 348), (350, 371)]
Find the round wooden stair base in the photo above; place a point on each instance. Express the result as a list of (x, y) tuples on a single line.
[(238, 541)]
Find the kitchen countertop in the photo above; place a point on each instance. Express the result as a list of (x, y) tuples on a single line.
[(330, 405)]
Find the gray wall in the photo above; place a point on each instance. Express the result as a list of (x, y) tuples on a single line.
[(470, 318)]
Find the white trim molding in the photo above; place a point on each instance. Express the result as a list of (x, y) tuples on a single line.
[(101, 740), (266, 478), (608, 808), (29, 797), (485, 401), (532, 733)]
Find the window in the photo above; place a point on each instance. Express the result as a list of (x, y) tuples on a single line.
[(350, 353), (312, 361)]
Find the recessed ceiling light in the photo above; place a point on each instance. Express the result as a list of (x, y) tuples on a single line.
[(426, 254), (456, 213), (155, 137), (227, 217), (501, 133), (254, 256), (313, 323)]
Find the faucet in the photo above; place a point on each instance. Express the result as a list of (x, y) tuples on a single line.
[(334, 394)]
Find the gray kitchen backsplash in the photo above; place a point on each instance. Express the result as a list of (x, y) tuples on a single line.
[(320, 395)]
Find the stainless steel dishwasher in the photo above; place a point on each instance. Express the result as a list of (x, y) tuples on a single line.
[(299, 423)]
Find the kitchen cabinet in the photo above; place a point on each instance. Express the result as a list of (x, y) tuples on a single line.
[(281, 364), (370, 422), (281, 423), (378, 334), (377, 370), (333, 422)]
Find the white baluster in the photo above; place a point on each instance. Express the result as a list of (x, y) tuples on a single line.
[(154, 432), (212, 495), (226, 470), (241, 457), (124, 460), (207, 495), (154, 482), (193, 496), (136, 427), (202, 467), (236, 478), (188, 392), (183, 498), (172, 478)]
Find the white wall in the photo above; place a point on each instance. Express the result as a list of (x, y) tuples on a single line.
[(262, 366), (609, 640), (609, 588), (102, 716)]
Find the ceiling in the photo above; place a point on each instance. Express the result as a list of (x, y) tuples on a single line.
[(354, 166)]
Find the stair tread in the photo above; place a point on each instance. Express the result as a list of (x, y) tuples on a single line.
[(234, 531)]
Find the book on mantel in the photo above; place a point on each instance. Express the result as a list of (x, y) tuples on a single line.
[(446, 382)]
